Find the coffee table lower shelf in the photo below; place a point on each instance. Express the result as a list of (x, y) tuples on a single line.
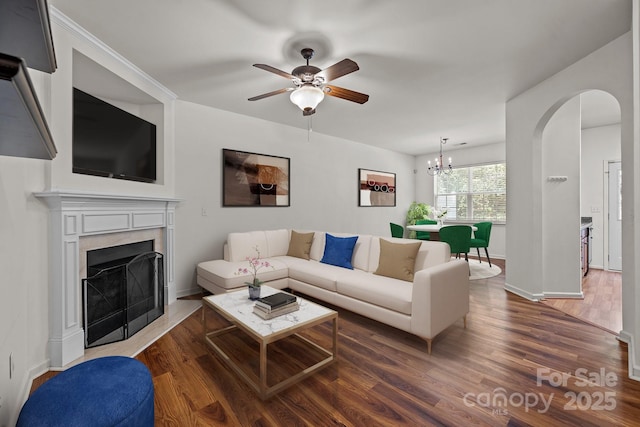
[(259, 383)]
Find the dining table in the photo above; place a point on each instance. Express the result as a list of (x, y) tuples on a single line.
[(434, 229)]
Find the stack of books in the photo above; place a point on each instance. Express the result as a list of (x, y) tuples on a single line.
[(275, 305)]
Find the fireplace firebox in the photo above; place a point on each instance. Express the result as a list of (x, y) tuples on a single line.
[(123, 293)]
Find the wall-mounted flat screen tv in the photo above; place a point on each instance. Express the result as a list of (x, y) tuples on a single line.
[(110, 142)]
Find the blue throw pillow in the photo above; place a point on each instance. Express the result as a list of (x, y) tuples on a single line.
[(339, 250)]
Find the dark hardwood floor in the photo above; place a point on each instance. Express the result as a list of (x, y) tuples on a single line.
[(518, 363)]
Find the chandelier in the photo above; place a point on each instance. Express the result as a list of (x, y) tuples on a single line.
[(440, 168)]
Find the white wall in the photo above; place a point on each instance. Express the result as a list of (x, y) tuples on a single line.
[(461, 157), (23, 288), (323, 193), (559, 226), (24, 251), (630, 149), (599, 145), (610, 69)]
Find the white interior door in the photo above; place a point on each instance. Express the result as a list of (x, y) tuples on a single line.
[(615, 216)]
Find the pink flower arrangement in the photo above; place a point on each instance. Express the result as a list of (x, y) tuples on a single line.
[(255, 264)]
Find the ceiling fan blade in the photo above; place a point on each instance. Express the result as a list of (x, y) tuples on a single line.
[(349, 95), (338, 69), (274, 70), (275, 92)]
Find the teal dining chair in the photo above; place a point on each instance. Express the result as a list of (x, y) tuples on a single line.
[(424, 235), (481, 239), (396, 230), (459, 239)]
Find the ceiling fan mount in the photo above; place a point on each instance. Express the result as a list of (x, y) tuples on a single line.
[(307, 53), (307, 72), (310, 83)]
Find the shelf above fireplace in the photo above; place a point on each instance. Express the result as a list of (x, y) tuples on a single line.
[(25, 40), (26, 33), (24, 127)]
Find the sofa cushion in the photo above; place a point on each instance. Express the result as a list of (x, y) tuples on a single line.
[(361, 251), (300, 244), (314, 273), (317, 247), (277, 242), (382, 291), (431, 253), (360, 258), (225, 274), (397, 260), (338, 251), (243, 245)]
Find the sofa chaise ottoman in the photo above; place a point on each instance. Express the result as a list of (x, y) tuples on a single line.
[(409, 284)]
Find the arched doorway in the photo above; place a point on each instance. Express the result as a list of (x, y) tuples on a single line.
[(599, 301), (609, 68)]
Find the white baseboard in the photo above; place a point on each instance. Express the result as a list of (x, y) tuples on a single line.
[(25, 387), (523, 293), (575, 295), (634, 367), (189, 292)]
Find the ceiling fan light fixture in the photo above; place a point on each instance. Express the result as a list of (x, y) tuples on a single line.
[(307, 97), (310, 83)]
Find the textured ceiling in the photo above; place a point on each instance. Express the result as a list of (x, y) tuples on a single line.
[(432, 68)]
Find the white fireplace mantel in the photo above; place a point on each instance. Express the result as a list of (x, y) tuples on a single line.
[(74, 215)]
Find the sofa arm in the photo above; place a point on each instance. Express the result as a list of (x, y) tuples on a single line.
[(440, 297)]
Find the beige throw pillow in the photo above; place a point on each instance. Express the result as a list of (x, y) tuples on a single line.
[(300, 244), (397, 260)]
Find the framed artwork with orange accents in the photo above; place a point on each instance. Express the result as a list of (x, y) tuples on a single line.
[(252, 179)]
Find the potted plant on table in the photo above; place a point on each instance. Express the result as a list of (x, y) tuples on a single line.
[(417, 211), (255, 264)]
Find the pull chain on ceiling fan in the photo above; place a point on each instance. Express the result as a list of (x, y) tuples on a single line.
[(311, 83)]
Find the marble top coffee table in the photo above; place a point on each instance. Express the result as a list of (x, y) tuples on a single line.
[(238, 309)]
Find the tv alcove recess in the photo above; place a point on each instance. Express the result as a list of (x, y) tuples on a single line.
[(110, 142)]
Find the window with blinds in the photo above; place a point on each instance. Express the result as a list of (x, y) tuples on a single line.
[(474, 193)]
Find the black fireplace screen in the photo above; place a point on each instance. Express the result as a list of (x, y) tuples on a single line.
[(123, 297)]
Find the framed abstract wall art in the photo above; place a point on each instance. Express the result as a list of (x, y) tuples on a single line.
[(251, 179), (376, 188)]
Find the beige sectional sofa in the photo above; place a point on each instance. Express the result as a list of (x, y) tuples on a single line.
[(435, 298)]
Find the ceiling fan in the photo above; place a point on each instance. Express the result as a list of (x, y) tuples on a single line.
[(311, 83)]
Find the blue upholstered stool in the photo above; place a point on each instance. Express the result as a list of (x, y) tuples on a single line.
[(109, 391)]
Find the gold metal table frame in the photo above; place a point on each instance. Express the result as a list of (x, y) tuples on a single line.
[(259, 384)]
